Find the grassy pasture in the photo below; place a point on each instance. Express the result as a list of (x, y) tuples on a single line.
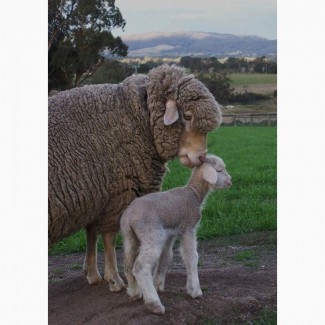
[(249, 205), (259, 83), (240, 79)]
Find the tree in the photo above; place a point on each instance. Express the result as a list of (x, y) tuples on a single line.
[(143, 68), (111, 71), (79, 33), (233, 64), (219, 85), (186, 61), (260, 64), (215, 65)]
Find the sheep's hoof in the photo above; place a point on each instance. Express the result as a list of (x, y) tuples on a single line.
[(155, 307), (92, 274), (115, 285), (94, 279)]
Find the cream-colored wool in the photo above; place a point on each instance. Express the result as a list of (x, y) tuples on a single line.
[(108, 144)]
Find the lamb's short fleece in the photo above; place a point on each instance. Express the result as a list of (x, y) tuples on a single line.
[(150, 225)]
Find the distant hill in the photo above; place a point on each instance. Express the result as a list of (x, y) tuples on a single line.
[(198, 44)]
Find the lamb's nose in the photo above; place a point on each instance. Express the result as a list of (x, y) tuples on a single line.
[(203, 157)]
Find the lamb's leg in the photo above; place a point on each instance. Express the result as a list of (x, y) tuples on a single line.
[(142, 270), (111, 273), (131, 245), (191, 258), (165, 259), (90, 263)]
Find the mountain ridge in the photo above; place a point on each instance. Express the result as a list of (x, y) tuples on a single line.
[(198, 44)]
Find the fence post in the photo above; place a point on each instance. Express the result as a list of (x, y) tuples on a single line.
[(260, 118)]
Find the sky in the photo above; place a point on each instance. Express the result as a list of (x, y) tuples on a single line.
[(243, 17)]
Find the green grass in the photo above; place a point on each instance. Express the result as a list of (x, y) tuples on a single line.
[(249, 205), (72, 244), (75, 267), (77, 243), (266, 317), (240, 79), (246, 255)]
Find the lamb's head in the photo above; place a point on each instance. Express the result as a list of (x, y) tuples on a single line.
[(182, 112), (214, 172)]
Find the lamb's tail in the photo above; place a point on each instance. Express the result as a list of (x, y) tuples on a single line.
[(131, 245)]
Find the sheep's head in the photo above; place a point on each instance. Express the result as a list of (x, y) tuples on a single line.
[(214, 172), (182, 112)]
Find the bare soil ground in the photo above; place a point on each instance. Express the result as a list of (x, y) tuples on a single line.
[(237, 275)]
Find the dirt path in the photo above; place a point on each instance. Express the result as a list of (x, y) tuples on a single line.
[(237, 276)]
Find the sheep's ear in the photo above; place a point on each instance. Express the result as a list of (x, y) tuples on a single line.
[(171, 112), (210, 175)]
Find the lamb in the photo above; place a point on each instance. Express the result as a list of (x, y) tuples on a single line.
[(108, 144), (150, 225)]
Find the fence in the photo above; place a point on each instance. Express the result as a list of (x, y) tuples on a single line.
[(268, 119)]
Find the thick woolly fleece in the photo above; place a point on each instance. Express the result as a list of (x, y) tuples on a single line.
[(108, 145)]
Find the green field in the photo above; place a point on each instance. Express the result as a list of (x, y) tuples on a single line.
[(240, 79), (249, 205)]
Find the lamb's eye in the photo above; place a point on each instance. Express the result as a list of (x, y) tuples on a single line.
[(219, 171), (187, 117)]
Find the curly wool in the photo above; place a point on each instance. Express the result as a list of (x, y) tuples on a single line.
[(108, 144), (190, 94)]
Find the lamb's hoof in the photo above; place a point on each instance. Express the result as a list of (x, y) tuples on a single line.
[(160, 286), (195, 293), (136, 297), (115, 285), (155, 307), (134, 294)]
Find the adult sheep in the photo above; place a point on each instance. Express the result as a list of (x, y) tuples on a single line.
[(108, 144)]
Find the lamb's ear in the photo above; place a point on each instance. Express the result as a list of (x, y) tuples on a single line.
[(171, 112), (210, 175)]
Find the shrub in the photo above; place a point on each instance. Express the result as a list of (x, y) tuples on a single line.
[(246, 97)]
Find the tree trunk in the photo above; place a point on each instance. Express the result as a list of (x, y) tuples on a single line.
[(78, 80)]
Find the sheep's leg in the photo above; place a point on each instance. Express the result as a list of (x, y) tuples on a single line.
[(142, 270), (165, 259), (90, 263), (191, 258), (111, 273), (131, 245)]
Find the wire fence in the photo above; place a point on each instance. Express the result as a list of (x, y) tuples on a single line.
[(252, 119)]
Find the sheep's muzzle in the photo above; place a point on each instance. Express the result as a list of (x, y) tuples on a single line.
[(192, 148)]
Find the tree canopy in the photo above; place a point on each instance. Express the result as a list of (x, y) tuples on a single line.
[(79, 33)]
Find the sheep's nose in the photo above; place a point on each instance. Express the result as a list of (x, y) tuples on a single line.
[(203, 157)]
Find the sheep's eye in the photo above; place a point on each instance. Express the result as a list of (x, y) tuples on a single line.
[(219, 171), (187, 117)]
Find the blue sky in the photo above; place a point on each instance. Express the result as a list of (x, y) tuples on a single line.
[(245, 17)]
